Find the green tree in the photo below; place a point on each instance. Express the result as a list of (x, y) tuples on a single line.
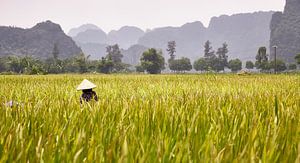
[(235, 65), (200, 65), (261, 59), (93, 65), (216, 64), (212, 61), (31, 65), (82, 61), (265, 66), (114, 53), (54, 65), (297, 58), (71, 65), (4, 64), (249, 65), (105, 66), (27, 65), (152, 61), (139, 68), (37, 68), (183, 64), (171, 49), (280, 65), (292, 67), (15, 64), (208, 52), (222, 57), (121, 67)]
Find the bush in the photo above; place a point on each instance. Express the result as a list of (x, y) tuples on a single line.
[(235, 65), (292, 67)]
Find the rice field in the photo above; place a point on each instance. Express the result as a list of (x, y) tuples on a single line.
[(145, 118)]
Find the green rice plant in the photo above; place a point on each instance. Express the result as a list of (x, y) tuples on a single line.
[(151, 118)]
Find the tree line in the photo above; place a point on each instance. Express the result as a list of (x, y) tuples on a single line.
[(216, 61), (54, 65), (210, 62), (151, 61)]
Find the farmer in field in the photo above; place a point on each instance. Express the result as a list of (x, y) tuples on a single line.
[(87, 91)]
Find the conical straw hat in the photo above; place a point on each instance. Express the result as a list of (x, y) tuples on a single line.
[(85, 84)]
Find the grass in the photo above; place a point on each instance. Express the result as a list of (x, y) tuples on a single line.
[(144, 118)]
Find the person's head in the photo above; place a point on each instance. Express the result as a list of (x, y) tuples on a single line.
[(87, 90)]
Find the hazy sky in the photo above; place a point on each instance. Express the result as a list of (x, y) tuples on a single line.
[(112, 14)]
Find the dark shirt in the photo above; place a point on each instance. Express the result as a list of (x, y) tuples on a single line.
[(88, 96)]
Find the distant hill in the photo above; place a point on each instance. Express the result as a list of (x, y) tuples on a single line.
[(74, 31), (285, 31), (91, 36), (93, 40), (125, 36), (244, 33), (37, 41), (189, 39)]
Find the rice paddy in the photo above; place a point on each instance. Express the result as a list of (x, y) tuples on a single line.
[(145, 118)]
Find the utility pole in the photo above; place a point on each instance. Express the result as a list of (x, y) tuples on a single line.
[(275, 51)]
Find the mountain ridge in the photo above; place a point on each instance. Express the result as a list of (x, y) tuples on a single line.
[(74, 31), (37, 41), (244, 33)]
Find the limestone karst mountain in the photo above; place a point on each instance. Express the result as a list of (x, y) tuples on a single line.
[(37, 41), (125, 36), (93, 40), (91, 36), (189, 39), (74, 31), (285, 32), (244, 34)]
